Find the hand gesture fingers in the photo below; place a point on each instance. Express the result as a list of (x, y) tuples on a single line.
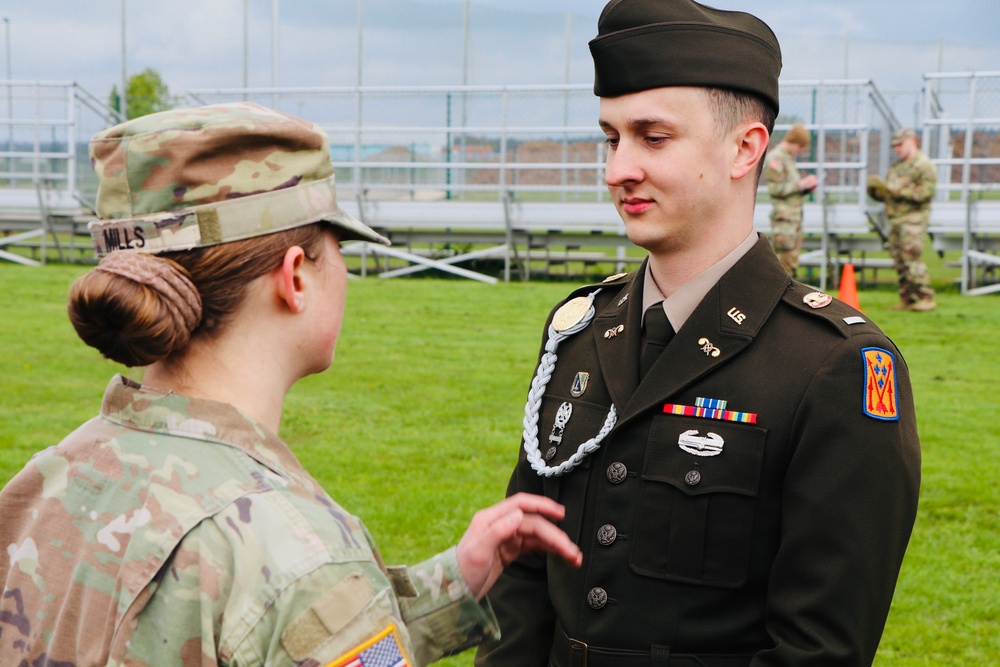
[(499, 534)]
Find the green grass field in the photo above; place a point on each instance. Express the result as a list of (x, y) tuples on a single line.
[(418, 422)]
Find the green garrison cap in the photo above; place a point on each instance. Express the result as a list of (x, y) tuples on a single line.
[(643, 44), (188, 178)]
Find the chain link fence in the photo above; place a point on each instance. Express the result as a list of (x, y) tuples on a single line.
[(44, 129), (530, 142), (961, 133), (539, 142), (505, 144), (471, 142)]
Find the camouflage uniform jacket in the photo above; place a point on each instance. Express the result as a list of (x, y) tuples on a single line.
[(910, 186), (174, 531), (782, 178)]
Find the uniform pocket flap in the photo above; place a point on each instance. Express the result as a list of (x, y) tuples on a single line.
[(699, 456)]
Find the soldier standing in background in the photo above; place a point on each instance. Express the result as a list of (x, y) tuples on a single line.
[(788, 189), (907, 192)]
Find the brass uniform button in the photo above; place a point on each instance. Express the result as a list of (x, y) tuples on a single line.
[(617, 472), (692, 478)]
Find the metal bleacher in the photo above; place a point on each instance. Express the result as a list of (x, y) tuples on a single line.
[(45, 175), (516, 232), (43, 219), (466, 179)]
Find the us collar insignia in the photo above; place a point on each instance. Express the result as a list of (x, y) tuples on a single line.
[(710, 408), (880, 391), (817, 299), (579, 384), (611, 279)]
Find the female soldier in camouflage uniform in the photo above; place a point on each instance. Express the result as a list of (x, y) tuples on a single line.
[(176, 528)]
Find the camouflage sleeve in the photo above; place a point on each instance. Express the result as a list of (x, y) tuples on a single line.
[(293, 600), (441, 613), (781, 183), (876, 188)]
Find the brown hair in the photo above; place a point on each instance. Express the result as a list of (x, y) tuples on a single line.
[(732, 107), (132, 323)]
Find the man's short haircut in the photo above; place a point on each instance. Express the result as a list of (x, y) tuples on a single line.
[(732, 107)]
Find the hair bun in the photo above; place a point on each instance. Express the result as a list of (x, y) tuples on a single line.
[(177, 290), (136, 308)]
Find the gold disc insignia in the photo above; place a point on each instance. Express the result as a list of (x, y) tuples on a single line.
[(570, 313)]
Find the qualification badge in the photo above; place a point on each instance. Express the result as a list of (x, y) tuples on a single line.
[(699, 445), (880, 384)]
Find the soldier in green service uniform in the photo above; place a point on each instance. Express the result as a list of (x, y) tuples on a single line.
[(737, 452), (788, 189), (907, 192), (176, 528)]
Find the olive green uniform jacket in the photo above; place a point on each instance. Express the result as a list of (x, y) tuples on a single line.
[(784, 547)]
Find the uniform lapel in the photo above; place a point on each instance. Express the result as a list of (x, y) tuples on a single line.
[(618, 350), (721, 327)]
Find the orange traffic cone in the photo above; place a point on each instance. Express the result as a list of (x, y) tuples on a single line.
[(848, 288)]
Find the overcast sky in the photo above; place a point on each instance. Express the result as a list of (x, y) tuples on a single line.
[(200, 43)]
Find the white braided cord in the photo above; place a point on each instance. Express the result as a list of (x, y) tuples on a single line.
[(533, 406)]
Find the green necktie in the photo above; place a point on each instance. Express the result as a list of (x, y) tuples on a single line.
[(658, 334)]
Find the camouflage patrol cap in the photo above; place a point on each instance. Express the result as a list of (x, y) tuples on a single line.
[(901, 135), (799, 135), (643, 44), (188, 178)]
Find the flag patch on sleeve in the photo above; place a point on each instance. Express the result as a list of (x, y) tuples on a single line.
[(382, 650), (880, 384)]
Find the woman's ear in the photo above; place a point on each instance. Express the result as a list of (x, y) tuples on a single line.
[(753, 139), (290, 280)]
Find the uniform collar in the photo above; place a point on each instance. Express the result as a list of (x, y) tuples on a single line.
[(682, 303), (135, 406), (730, 314)]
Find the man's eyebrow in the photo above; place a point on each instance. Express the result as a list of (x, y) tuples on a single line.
[(636, 123)]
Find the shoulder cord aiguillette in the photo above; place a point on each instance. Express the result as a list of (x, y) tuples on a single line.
[(531, 409)]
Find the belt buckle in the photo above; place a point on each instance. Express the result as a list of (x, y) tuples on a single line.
[(577, 644)]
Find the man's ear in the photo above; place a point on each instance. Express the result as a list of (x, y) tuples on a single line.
[(752, 147), (290, 282)]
